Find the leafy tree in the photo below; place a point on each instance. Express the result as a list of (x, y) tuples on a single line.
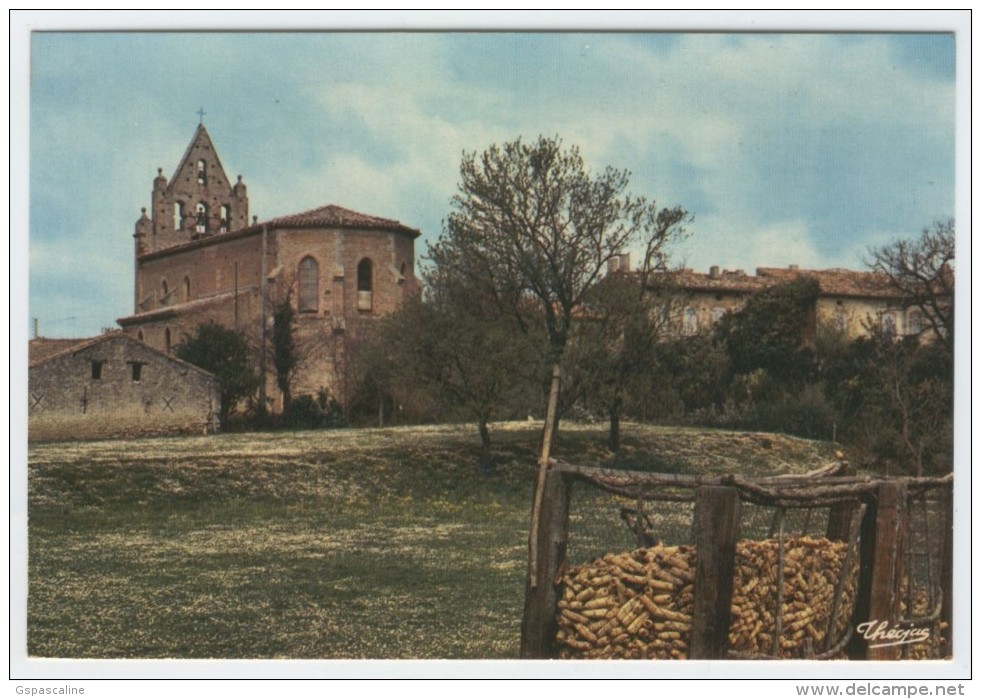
[(697, 371), (226, 354), (895, 401), (921, 270), (622, 321), (369, 373), (770, 331), (467, 362), (532, 230), (285, 359)]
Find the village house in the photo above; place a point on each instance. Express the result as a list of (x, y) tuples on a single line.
[(113, 385), (849, 301)]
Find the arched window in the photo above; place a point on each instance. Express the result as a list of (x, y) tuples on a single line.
[(691, 321), (187, 288), (178, 216), (402, 268), (202, 173), (309, 301), (167, 339), (164, 293), (223, 219), (364, 285), (201, 217), (139, 336)]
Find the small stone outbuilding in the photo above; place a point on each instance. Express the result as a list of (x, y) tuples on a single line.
[(113, 386)]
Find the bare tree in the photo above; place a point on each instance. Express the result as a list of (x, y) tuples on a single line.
[(532, 228), (922, 271)]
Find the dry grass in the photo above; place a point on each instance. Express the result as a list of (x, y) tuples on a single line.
[(335, 544)]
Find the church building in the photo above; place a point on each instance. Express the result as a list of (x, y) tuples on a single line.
[(199, 258)]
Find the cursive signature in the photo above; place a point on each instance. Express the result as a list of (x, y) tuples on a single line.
[(884, 635)]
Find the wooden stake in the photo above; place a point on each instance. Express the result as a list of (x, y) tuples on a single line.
[(538, 626), (536, 507)]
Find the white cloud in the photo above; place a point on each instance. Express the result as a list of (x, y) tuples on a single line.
[(789, 149), (744, 244)]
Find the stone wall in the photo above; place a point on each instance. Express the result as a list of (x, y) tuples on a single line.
[(224, 284), (118, 387)]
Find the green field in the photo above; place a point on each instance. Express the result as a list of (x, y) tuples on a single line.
[(378, 543)]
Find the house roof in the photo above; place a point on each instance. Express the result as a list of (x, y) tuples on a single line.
[(831, 282), (42, 350)]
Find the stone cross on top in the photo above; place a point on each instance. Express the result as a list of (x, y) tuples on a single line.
[(201, 114)]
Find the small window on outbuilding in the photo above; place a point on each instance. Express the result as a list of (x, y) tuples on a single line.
[(364, 284), (136, 370), (97, 365)]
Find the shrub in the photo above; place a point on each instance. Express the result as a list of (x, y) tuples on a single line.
[(313, 412)]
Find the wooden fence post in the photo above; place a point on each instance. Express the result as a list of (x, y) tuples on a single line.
[(880, 572), (538, 626), (717, 520), (947, 575), (840, 516)]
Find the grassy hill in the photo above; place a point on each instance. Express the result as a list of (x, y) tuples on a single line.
[(380, 543)]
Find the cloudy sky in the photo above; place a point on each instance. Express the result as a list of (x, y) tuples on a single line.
[(788, 148)]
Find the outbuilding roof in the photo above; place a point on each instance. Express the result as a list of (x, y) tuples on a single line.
[(43, 349)]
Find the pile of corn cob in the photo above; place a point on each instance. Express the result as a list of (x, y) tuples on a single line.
[(639, 604)]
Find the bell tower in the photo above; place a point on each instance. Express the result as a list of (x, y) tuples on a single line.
[(197, 202)]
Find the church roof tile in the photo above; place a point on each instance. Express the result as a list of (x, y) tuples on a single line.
[(333, 216)]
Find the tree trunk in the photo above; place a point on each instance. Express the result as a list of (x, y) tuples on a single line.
[(224, 407), (486, 460), (536, 505), (614, 440)]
